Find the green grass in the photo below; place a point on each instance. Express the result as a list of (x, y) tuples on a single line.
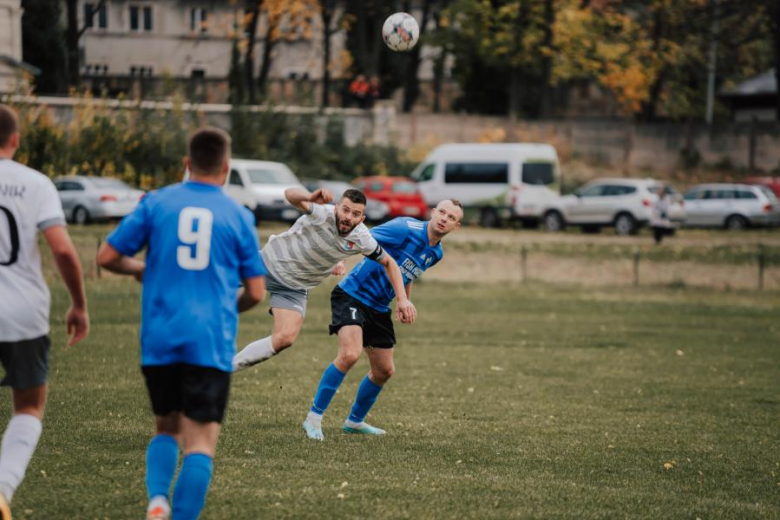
[(527, 401)]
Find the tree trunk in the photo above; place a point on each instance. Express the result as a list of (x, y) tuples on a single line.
[(650, 107), (327, 14), (411, 81), (253, 9), (362, 37), (265, 64), (547, 43), (72, 40), (774, 11)]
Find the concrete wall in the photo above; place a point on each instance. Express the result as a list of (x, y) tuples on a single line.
[(619, 144)]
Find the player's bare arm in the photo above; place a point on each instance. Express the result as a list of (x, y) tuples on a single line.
[(114, 261), (404, 308), (340, 269), (301, 198), (69, 267), (398, 314), (252, 293)]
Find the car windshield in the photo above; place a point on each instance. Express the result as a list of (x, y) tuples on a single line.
[(404, 187), (769, 193), (669, 189), (271, 177), (106, 183)]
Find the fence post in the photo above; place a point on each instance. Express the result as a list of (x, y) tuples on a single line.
[(97, 265), (523, 256), (636, 267), (761, 264)]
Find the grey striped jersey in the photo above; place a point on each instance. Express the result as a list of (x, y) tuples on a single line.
[(305, 254)]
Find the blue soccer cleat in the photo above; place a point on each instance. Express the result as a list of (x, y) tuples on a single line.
[(364, 428), (313, 432)]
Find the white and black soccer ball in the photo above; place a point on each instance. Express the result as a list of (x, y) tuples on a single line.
[(400, 32)]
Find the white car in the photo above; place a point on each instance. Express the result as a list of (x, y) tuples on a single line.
[(733, 206), (87, 199), (625, 204)]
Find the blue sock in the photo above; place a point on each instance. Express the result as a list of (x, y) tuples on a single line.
[(366, 397), (189, 497), (330, 382), (162, 457)]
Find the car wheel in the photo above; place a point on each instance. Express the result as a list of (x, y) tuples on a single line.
[(80, 215), (553, 222), (625, 224), (488, 218), (736, 223)]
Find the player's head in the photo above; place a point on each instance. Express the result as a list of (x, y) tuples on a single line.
[(350, 211), (9, 129), (209, 152), (446, 217)]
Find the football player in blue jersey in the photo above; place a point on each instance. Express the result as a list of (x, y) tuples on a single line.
[(360, 307), (201, 246)]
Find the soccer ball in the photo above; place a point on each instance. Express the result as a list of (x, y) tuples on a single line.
[(400, 32)]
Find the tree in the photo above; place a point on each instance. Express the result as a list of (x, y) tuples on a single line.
[(43, 45), (74, 34), (327, 12)]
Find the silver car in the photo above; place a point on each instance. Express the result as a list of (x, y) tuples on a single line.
[(733, 206), (85, 199), (623, 203), (376, 211)]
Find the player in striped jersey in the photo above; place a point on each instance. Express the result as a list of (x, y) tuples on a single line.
[(360, 305), (310, 251)]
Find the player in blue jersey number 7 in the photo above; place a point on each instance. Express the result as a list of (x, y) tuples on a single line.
[(360, 306), (201, 247)]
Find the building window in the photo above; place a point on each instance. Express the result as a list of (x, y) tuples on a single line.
[(199, 19), (94, 19), (141, 18)]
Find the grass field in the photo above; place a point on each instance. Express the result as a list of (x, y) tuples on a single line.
[(509, 402)]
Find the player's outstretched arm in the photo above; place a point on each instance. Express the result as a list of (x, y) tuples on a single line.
[(301, 198), (404, 306), (69, 266), (252, 293), (114, 261)]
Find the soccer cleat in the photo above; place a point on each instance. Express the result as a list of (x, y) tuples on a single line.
[(313, 432), (365, 429), (5, 509), (158, 509)]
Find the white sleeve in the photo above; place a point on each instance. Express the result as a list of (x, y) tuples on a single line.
[(49, 212), (368, 245), (319, 212)]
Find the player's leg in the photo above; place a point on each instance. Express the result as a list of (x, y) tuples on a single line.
[(288, 307), (382, 369), (162, 453), (287, 326), (204, 397), (350, 347), (379, 341), (26, 366)]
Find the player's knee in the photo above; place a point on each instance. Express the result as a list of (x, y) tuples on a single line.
[(348, 359), (284, 339), (382, 374)]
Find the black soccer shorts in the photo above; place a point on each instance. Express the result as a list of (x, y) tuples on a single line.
[(201, 393), (377, 326)]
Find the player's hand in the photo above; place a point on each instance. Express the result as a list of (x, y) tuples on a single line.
[(406, 312), (77, 325), (139, 275), (321, 196), (340, 269)]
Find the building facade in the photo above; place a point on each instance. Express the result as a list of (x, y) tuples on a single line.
[(12, 70)]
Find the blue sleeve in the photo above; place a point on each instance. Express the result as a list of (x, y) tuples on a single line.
[(249, 259), (133, 231), (391, 234)]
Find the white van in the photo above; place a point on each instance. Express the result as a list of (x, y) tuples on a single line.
[(497, 182), (260, 186)]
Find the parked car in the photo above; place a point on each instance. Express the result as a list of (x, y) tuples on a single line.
[(733, 206), (399, 193), (86, 199), (376, 211), (625, 204), (497, 182), (259, 186), (773, 183)]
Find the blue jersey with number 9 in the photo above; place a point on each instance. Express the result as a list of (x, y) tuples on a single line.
[(200, 245)]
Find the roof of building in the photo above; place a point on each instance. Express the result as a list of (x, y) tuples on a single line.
[(761, 85), (17, 64)]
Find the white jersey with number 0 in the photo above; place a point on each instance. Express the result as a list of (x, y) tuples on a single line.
[(305, 254), (28, 203)]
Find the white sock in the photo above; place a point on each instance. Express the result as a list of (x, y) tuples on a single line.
[(254, 353), (314, 419), (354, 425), (19, 442)]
